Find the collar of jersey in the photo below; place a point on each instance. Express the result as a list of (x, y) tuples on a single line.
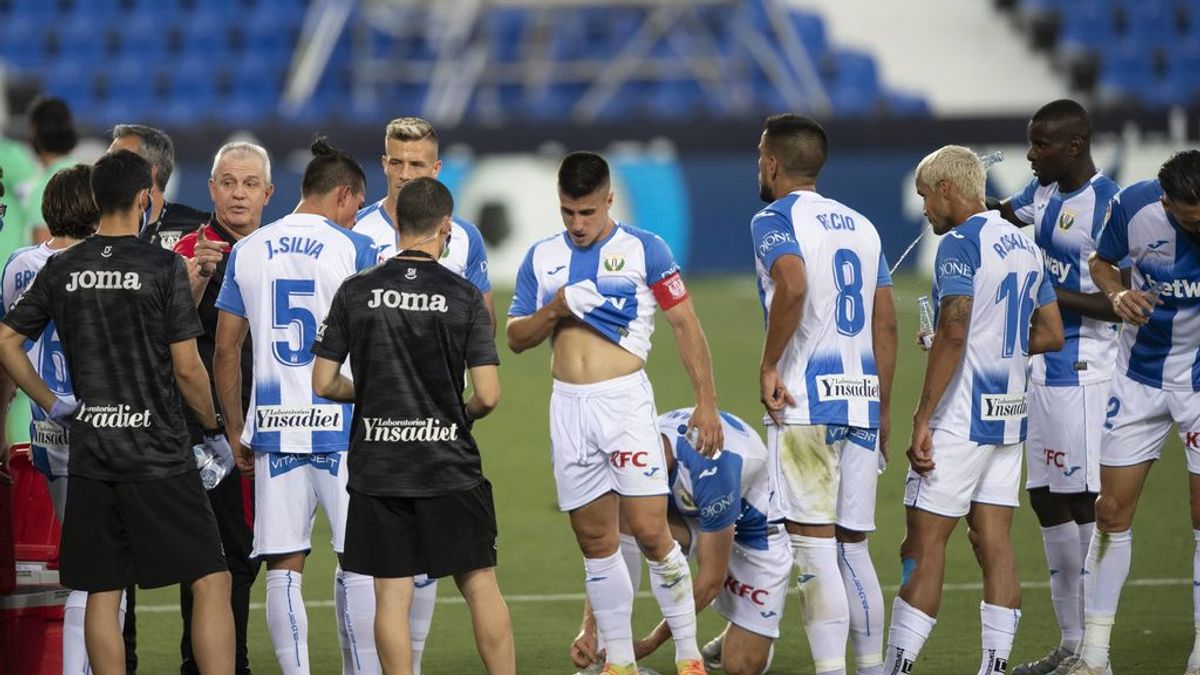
[(1067, 195), (596, 244)]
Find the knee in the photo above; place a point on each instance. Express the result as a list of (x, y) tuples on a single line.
[(653, 537), (744, 664), (849, 536), (217, 583), (1111, 514), (596, 544)]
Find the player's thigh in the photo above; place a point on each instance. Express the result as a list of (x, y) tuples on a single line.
[(744, 651), (285, 504), (1137, 420), (756, 586), (947, 490), (329, 477), (805, 460), (1185, 410), (859, 468), (581, 473), (626, 426), (999, 483)]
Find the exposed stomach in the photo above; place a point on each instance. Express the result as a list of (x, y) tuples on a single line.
[(583, 356)]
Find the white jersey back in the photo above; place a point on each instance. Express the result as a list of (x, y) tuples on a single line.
[(465, 255), (282, 279), (1067, 227), (989, 260), (829, 363)]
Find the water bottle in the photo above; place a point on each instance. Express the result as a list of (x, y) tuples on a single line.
[(1154, 291), (925, 310), (991, 159), (211, 468)]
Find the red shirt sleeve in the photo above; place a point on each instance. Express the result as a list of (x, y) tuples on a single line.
[(186, 246)]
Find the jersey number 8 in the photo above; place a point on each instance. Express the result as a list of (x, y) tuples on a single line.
[(847, 274)]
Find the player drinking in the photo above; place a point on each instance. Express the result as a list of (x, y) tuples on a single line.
[(593, 290), (826, 377), (995, 306)]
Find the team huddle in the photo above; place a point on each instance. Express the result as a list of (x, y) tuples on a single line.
[(337, 344)]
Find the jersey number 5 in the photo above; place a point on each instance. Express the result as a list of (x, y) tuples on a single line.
[(1017, 312), (284, 315), (850, 314)]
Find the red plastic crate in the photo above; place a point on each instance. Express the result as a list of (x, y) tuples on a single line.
[(36, 530), (8, 575), (31, 627)]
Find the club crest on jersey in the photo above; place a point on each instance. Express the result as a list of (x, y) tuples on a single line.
[(614, 263), (410, 274), (1066, 219), (167, 240)]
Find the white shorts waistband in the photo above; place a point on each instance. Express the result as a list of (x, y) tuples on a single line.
[(600, 388)]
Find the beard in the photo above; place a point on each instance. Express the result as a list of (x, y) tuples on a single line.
[(764, 193)]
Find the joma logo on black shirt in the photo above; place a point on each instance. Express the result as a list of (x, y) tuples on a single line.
[(104, 281)]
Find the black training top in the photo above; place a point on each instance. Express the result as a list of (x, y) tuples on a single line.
[(411, 328), (119, 303), (175, 221)]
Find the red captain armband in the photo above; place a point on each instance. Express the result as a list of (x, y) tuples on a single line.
[(669, 291)]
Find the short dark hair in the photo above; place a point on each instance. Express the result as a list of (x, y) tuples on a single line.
[(798, 142), (1180, 177), (67, 204), (117, 178), (157, 148), (1072, 115), (53, 126), (330, 169), (421, 204), (582, 173)]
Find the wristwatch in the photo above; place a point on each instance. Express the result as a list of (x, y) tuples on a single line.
[(218, 430)]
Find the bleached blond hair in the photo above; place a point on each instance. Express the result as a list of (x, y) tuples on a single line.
[(957, 165), (411, 129)]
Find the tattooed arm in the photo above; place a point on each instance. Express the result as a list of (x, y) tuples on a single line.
[(949, 342)]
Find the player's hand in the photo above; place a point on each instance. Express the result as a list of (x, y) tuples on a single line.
[(922, 336), (920, 448), (1134, 307), (243, 455), (64, 411), (208, 253), (558, 307), (774, 394), (218, 445), (583, 649), (708, 435)]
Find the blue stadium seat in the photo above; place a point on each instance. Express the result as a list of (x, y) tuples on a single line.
[(22, 43), (1127, 69), (811, 31), (1087, 26), (79, 40)]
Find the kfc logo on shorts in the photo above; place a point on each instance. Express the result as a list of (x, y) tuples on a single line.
[(623, 458), (758, 596), (1056, 458), (1192, 440)]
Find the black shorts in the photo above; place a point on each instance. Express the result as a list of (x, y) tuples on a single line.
[(393, 537), (152, 533)]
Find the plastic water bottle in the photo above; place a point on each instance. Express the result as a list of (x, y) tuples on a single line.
[(991, 159), (1154, 291), (211, 468), (925, 310)]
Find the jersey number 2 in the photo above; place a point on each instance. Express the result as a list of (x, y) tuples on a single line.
[(284, 315), (1017, 311), (847, 274)]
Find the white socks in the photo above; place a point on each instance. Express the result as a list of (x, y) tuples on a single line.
[(339, 619), (910, 629), (999, 627), (610, 592), (287, 621), (822, 601), (1194, 659), (865, 600), (1061, 543), (632, 554), (671, 583), (1105, 571), (359, 621), (420, 616), (74, 649)]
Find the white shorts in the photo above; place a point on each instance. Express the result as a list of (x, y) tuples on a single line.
[(1139, 417), (756, 585), (965, 472), (287, 490), (604, 438), (1063, 444), (807, 463)]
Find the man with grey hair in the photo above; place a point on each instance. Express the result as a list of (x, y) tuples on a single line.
[(240, 186), (965, 451), (164, 223)]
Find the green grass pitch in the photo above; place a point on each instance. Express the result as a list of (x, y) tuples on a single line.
[(541, 570)]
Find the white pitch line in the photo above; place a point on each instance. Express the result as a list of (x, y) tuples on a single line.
[(578, 597)]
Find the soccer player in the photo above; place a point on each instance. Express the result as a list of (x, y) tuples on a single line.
[(165, 223), (279, 281), (1156, 224), (240, 187), (721, 516), (593, 290), (826, 377), (1066, 202), (70, 214), (994, 306), (419, 503), (136, 511)]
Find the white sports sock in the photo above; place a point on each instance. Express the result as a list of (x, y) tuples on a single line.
[(1194, 659), (1086, 530), (864, 598), (1104, 574), (822, 601), (74, 649), (999, 627), (910, 629), (339, 614), (420, 616), (610, 593), (632, 554), (1061, 543), (671, 583), (287, 621), (359, 619)]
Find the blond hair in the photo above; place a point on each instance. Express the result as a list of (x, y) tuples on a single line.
[(411, 129), (957, 165)]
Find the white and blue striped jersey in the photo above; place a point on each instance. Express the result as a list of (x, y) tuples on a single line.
[(48, 440), (1066, 228), (282, 278), (829, 363), (465, 254), (732, 488), (988, 259), (1165, 352), (613, 286)]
